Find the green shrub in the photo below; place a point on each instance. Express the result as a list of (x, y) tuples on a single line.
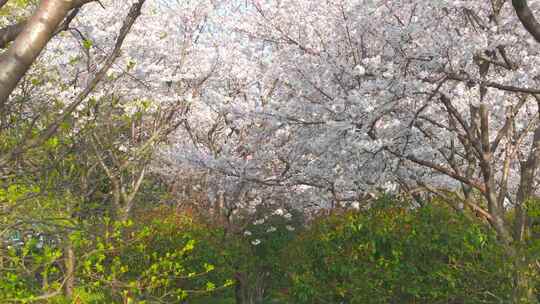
[(392, 253)]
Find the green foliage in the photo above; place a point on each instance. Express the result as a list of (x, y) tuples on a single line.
[(81, 295), (41, 273), (390, 253), (395, 254), (165, 259), (87, 44), (274, 235), (251, 257)]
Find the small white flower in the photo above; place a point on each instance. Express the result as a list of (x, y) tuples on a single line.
[(247, 233), (256, 242), (290, 228), (279, 212), (359, 70), (271, 229), (258, 222), (122, 148)]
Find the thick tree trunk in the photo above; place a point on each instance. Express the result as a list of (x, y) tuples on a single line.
[(25, 49)]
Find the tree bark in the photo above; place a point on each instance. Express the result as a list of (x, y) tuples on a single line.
[(525, 190), (523, 283), (70, 270), (28, 45), (239, 293), (527, 18), (12, 31), (248, 290)]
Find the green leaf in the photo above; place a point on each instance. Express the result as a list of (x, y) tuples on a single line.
[(87, 44)]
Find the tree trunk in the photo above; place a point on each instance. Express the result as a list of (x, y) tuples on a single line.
[(122, 214), (248, 291), (523, 272), (25, 49), (239, 289), (523, 284), (69, 261)]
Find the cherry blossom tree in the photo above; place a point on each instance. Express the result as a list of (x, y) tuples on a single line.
[(309, 103), (335, 100)]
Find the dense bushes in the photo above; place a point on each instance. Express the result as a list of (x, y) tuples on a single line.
[(161, 257), (165, 258), (389, 253), (396, 254)]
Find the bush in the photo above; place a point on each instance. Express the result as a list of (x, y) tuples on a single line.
[(392, 253), (165, 258)]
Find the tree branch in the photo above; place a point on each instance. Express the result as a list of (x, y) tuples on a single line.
[(447, 172), (495, 85), (3, 2), (527, 18), (10, 32)]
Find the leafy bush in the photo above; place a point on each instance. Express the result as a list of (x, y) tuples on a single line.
[(392, 253), (165, 258)]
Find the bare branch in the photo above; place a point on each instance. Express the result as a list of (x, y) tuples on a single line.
[(495, 85), (447, 172), (510, 117)]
